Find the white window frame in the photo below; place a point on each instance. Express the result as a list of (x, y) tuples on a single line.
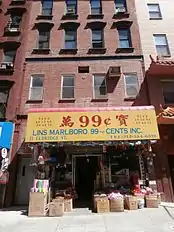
[(167, 44), (61, 91), (93, 89), (159, 10), (31, 80), (125, 85)]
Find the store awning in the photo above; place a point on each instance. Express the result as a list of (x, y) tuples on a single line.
[(91, 124), (160, 67)]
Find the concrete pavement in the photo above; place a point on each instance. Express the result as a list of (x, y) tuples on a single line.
[(146, 220)]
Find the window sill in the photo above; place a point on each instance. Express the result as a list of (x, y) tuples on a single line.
[(97, 51), (6, 71), (11, 33), (99, 99), (95, 16), (68, 51), (166, 56), (40, 51), (70, 16), (121, 15), (47, 17), (34, 101), (159, 18), (129, 98), (70, 100), (125, 50), (18, 2)]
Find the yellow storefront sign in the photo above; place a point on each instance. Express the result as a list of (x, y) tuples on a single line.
[(92, 126)]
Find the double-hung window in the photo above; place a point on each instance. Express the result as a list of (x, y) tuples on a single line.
[(131, 85), (161, 44), (168, 91), (36, 87), (124, 38), (97, 38), (47, 6), (70, 39), (154, 11), (100, 87), (96, 7), (71, 7), (3, 101), (67, 87), (44, 39)]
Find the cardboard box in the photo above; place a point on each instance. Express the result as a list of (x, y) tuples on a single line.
[(37, 204), (56, 209), (117, 205), (152, 201), (103, 205), (68, 205), (131, 203)]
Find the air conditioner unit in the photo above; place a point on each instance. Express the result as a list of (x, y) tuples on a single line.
[(120, 10), (114, 71), (71, 11)]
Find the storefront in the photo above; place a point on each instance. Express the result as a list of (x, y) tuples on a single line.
[(85, 150)]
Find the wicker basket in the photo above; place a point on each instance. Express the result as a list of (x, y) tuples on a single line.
[(117, 205), (103, 205), (131, 203)]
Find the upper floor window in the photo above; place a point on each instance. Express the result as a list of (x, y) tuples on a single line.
[(124, 38), (47, 6), (131, 85), (168, 91), (97, 38), (161, 44), (14, 22), (71, 7), (70, 39), (3, 100), (44, 39), (9, 56), (36, 87), (154, 11), (96, 7), (100, 87), (120, 6), (67, 91)]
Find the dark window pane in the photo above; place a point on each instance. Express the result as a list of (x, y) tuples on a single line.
[(2, 110), (68, 92), (70, 35), (47, 7), (99, 81), (71, 6), (97, 35), (120, 3), (100, 92), (154, 10), (131, 90), (68, 81), (37, 81), (36, 93), (124, 38), (131, 79), (9, 56), (44, 37), (168, 92)]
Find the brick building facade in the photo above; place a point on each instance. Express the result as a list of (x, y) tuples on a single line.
[(78, 54)]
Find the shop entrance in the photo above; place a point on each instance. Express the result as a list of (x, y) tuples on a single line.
[(171, 166), (85, 172)]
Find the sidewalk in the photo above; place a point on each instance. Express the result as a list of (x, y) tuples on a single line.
[(146, 220)]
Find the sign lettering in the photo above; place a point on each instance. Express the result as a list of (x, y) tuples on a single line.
[(92, 126)]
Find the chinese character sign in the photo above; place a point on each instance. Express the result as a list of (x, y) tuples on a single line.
[(92, 126)]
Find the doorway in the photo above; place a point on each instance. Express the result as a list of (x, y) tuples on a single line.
[(86, 168), (25, 178), (171, 166)]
